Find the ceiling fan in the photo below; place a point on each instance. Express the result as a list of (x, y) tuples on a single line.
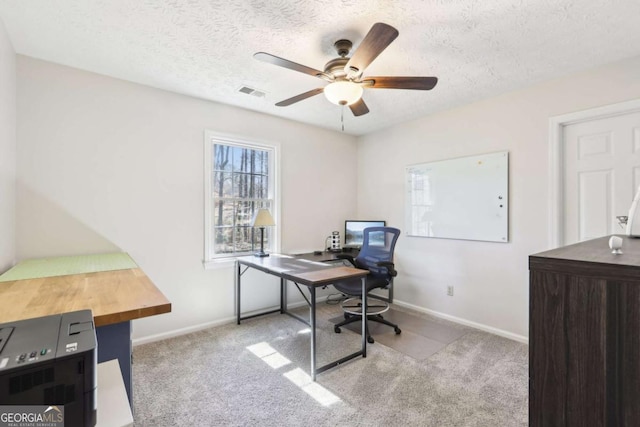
[(345, 74)]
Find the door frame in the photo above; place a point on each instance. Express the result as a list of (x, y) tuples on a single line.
[(556, 159)]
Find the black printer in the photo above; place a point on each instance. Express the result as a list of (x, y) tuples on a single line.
[(51, 360)]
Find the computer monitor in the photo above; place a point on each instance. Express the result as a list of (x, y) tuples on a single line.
[(353, 236)]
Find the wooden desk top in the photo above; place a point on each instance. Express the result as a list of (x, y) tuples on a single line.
[(114, 296), (327, 276), (326, 256), (302, 271)]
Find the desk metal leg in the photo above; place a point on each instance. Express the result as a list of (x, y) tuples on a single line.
[(236, 279), (312, 320), (283, 296), (312, 316), (364, 317)]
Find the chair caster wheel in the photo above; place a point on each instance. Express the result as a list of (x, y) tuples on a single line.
[(397, 330), (336, 329), (370, 340)]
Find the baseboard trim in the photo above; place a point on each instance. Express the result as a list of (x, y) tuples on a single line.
[(195, 328), (190, 329), (181, 331), (465, 322)]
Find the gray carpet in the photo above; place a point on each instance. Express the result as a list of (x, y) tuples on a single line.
[(255, 375)]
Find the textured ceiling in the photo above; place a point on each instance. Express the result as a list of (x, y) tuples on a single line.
[(204, 48)]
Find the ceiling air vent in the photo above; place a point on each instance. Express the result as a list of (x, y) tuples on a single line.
[(251, 91)]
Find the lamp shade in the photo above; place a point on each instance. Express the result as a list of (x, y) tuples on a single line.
[(262, 218), (343, 93)]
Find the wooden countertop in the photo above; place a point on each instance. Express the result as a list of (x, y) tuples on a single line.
[(592, 258), (597, 250), (114, 296)]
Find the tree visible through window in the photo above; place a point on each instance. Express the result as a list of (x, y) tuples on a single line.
[(242, 184)]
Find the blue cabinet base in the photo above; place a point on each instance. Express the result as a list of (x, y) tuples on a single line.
[(114, 342)]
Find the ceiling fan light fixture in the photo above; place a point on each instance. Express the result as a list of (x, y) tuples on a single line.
[(343, 93)]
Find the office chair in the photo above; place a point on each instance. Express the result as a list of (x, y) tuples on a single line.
[(376, 255)]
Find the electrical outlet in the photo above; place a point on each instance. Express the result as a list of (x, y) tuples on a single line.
[(450, 291)]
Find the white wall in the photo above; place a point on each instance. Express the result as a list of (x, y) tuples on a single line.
[(7, 150), (490, 279), (108, 165)]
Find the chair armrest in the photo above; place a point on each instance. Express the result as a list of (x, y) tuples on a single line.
[(347, 257), (389, 266)]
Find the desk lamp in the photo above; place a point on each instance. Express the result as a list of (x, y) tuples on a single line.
[(262, 219)]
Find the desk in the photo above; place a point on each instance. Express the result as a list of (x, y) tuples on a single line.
[(311, 274), (331, 257), (326, 256), (112, 286)]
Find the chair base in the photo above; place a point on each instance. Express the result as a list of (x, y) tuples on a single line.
[(354, 306), (353, 313)]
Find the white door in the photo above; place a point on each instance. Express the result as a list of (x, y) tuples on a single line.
[(601, 175)]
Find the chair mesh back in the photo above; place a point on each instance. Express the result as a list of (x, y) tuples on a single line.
[(378, 245)]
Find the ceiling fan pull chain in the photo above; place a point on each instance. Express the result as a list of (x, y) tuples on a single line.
[(342, 117)]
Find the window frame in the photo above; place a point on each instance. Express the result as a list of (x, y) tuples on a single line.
[(211, 259)]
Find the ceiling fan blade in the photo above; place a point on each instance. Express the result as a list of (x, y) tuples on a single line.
[(359, 108), (377, 39), (419, 83), (300, 97), (275, 60)]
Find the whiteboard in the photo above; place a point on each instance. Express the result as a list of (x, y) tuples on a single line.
[(465, 198)]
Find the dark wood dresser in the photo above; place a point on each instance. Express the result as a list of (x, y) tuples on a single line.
[(584, 335)]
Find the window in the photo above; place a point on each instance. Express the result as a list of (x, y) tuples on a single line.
[(239, 180)]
